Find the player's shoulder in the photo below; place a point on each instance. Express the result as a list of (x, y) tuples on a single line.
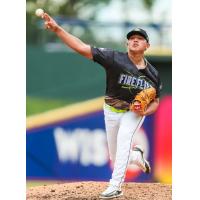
[(102, 49), (152, 68), (115, 52), (105, 49), (117, 55), (120, 56), (120, 53)]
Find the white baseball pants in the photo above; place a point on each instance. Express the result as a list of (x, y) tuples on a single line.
[(120, 128)]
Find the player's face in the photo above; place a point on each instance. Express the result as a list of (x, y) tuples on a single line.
[(137, 43)]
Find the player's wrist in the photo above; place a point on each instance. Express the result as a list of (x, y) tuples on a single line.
[(57, 29)]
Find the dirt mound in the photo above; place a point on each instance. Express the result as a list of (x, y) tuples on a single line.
[(91, 191)]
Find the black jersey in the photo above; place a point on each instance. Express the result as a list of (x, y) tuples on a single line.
[(123, 79)]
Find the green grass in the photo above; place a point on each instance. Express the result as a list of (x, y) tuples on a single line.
[(39, 105), (35, 183)]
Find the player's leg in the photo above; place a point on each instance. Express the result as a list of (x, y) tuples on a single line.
[(112, 121), (137, 158), (129, 124)]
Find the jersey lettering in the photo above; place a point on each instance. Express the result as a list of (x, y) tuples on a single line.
[(127, 80)]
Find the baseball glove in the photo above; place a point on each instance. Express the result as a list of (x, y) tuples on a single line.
[(142, 100)]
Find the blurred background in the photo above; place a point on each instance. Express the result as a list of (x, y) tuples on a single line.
[(65, 129)]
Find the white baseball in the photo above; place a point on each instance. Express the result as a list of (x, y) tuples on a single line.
[(39, 12)]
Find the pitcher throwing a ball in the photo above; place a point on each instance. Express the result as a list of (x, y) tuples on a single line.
[(132, 92)]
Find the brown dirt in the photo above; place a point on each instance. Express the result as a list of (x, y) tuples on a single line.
[(91, 191)]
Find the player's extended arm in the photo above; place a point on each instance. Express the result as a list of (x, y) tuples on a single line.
[(70, 40)]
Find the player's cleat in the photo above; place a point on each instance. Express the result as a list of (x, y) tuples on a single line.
[(111, 192), (140, 160)]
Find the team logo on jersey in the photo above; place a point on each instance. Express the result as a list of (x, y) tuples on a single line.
[(128, 81)]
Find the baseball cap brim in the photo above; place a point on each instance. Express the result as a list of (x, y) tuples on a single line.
[(134, 32)]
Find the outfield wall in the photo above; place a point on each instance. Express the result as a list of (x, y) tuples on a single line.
[(67, 75)]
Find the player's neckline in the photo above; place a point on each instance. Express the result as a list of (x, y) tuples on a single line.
[(135, 66)]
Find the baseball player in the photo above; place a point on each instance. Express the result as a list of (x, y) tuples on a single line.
[(127, 74)]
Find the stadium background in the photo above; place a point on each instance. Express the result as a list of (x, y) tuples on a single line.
[(57, 78)]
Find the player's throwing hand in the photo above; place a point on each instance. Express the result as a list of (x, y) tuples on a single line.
[(50, 23)]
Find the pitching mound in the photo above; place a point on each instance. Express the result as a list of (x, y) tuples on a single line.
[(91, 190)]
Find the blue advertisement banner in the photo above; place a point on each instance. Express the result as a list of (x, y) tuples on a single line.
[(76, 149)]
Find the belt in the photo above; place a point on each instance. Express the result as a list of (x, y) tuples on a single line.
[(115, 109)]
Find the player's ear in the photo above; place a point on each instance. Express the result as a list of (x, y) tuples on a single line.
[(148, 45)]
